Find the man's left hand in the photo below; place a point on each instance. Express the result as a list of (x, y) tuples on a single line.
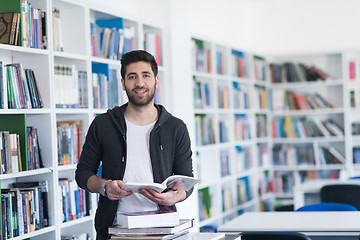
[(168, 198)]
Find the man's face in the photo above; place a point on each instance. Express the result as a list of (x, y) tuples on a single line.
[(140, 83)]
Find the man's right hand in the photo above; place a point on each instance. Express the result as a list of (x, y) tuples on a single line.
[(114, 190)]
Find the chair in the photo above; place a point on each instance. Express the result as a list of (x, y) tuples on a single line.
[(327, 207), (273, 236), (341, 193)]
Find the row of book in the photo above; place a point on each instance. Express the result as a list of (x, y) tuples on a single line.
[(205, 134), (356, 155), (70, 87), (284, 100), (107, 90), (152, 44), (25, 208), (205, 203), (223, 97), (227, 199), (242, 127), (284, 155), (242, 96), (243, 190), (57, 29), (355, 98), (266, 183), (12, 160), (284, 182), (259, 68), (111, 39), (295, 127), (355, 128), (261, 98), (22, 90), (220, 62), (225, 163), (240, 66), (223, 130), (70, 138), (75, 203), (288, 155), (202, 98), (261, 126), (296, 72), (243, 159), (26, 28), (201, 56)]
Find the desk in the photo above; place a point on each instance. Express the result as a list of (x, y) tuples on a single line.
[(308, 192), (317, 225)]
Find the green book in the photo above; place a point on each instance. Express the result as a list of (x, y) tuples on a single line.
[(16, 123)]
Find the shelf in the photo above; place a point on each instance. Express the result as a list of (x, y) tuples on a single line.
[(309, 85), (35, 172), (309, 140), (309, 112)]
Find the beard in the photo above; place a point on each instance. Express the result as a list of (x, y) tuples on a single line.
[(140, 101)]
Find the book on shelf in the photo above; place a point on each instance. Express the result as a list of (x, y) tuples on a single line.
[(22, 87), (184, 224), (24, 208), (70, 136), (329, 155), (75, 236), (186, 183), (156, 218), (57, 28), (8, 26), (296, 72)]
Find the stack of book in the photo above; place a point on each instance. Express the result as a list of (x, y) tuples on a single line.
[(160, 224)]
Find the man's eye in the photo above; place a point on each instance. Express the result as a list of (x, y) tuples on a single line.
[(131, 77), (147, 76)]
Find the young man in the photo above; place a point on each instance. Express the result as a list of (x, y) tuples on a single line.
[(138, 141)]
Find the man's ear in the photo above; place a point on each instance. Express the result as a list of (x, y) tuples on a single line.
[(123, 83), (157, 81)]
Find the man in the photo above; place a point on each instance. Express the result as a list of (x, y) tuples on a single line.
[(138, 141)]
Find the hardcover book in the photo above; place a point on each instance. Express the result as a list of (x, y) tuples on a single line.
[(157, 218), (183, 225)]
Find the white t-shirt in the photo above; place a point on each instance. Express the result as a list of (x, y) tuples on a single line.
[(138, 167)]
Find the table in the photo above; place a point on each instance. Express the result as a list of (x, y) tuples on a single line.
[(308, 192), (317, 225)]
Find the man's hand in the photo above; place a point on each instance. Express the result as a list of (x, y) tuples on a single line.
[(114, 191), (168, 198)]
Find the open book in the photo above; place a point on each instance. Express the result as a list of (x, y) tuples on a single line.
[(186, 183)]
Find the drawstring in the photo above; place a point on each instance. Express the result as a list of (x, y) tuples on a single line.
[(161, 147)]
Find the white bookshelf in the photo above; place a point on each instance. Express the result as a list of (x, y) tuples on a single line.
[(76, 17), (221, 159), (335, 90)]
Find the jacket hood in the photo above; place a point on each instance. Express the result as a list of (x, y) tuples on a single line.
[(116, 114)]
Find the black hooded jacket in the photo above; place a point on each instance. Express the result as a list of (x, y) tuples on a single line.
[(170, 154)]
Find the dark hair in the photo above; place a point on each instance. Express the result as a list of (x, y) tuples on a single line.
[(138, 56)]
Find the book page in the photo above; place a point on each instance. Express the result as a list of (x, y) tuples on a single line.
[(186, 182), (135, 186)]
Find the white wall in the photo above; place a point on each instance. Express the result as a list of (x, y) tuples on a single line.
[(278, 26), (281, 26)]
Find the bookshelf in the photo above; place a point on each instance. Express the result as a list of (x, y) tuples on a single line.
[(299, 154), (232, 140), (68, 62)]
